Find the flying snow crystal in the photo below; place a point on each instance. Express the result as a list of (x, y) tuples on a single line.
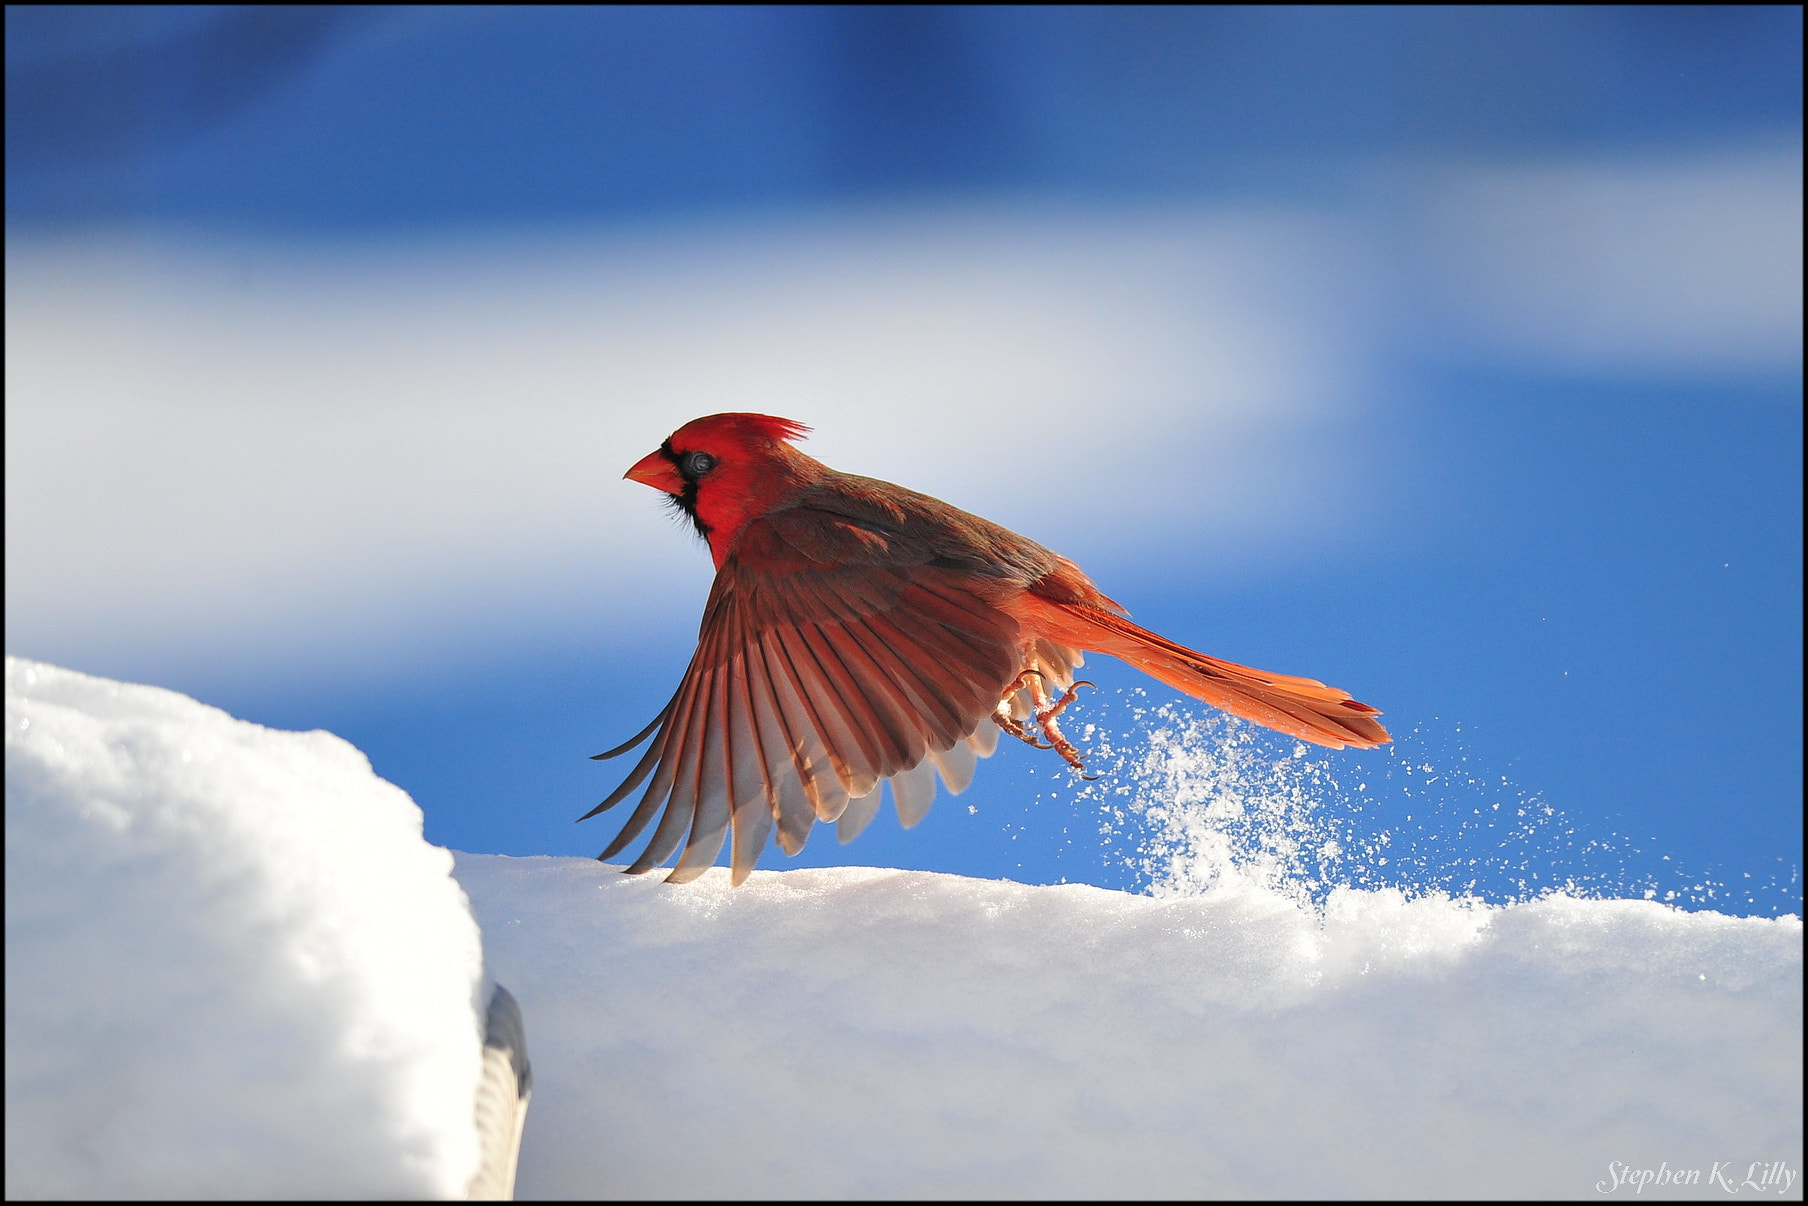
[(1197, 801)]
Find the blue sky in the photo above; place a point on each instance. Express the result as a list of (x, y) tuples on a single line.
[(1451, 356)]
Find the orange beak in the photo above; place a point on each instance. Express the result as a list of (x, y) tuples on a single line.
[(656, 470)]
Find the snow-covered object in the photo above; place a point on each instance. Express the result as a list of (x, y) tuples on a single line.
[(233, 966), (856, 1033)]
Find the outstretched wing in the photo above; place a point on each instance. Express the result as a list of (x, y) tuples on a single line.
[(836, 652)]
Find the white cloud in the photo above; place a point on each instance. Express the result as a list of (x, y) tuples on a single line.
[(304, 453), (255, 454), (1677, 265)]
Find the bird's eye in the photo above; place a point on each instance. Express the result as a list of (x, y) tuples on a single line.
[(696, 464)]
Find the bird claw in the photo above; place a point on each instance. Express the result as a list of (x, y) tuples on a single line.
[(1046, 711), (1001, 716), (1068, 696)]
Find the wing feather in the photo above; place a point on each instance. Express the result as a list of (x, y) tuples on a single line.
[(958, 762), (641, 770), (752, 813), (1058, 661), (914, 676), (715, 790), (913, 791), (959, 656), (857, 658), (887, 708), (936, 597), (946, 624), (857, 816), (852, 746), (639, 737), (794, 806), (677, 815), (824, 773), (680, 806), (667, 744)]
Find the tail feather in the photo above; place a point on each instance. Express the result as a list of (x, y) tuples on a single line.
[(1300, 707)]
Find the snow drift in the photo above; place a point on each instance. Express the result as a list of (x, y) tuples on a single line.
[(860, 1033), (234, 968)]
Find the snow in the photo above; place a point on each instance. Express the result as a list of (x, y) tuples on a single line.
[(233, 966), (235, 969), (857, 1033)]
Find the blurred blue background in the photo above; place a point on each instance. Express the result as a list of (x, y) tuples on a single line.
[(1451, 355)]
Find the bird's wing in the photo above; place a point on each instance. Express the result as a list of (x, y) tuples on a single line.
[(835, 653)]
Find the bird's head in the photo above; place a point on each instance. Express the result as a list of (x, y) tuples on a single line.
[(722, 470)]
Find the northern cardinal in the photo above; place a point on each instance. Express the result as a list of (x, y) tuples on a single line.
[(859, 632)]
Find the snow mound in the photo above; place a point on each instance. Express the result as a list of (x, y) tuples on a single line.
[(855, 1033), (233, 966)]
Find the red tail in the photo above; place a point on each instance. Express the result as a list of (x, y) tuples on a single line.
[(1300, 707)]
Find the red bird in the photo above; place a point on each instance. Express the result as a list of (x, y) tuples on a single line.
[(859, 632)]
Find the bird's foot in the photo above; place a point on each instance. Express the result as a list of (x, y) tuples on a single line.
[(1046, 711), (1073, 757), (1001, 716), (1067, 697)]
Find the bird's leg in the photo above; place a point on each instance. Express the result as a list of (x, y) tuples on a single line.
[(1001, 715), (1047, 710), (1069, 695)]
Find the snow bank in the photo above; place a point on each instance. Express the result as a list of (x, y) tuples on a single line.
[(856, 1032), (233, 967)]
